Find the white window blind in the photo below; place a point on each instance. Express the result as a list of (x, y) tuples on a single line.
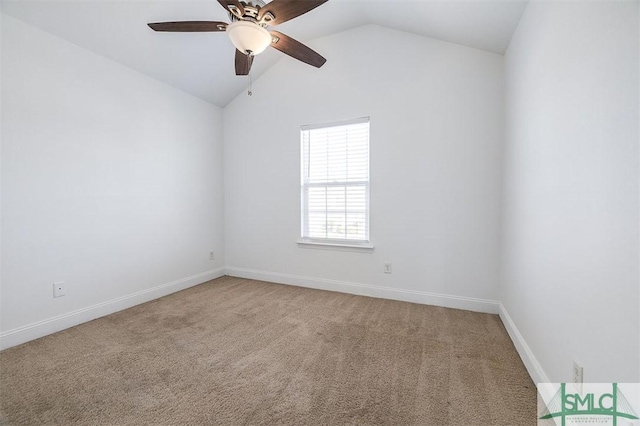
[(335, 181)]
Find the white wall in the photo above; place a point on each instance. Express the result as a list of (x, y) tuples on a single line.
[(111, 182), (1, 167), (436, 131), (570, 248)]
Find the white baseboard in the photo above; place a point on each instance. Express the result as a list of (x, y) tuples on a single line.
[(528, 358), (39, 329), (414, 296)]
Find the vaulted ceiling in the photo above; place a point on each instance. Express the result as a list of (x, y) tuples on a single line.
[(202, 63)]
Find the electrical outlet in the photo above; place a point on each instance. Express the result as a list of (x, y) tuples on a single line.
[(58, 289), (212, 255), (578, 374), (387, 267)]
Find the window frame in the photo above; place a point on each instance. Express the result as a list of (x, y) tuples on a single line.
[(335, 243)]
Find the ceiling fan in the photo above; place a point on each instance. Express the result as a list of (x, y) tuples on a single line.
[(248, 29)]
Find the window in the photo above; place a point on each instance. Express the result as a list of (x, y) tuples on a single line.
[(335, 182)]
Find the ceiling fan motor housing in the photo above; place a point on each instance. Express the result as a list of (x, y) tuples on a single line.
[(250, 13)]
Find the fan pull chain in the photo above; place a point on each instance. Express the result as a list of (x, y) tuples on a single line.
[(250, 91)]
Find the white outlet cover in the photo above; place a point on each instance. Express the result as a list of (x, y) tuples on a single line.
[(578, 373), (58, 289)]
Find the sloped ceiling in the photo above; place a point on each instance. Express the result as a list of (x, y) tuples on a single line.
[(202, 63)]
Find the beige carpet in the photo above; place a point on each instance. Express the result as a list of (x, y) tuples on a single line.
[(235, 351)]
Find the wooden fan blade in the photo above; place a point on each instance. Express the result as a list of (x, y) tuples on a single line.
[(189, 26), (236, 3), (243, 63), (295, 49), (283, 10)]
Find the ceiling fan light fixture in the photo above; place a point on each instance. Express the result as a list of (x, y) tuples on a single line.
[(248, 37)]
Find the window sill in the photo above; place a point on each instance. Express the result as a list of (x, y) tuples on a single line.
[(365, 247)]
